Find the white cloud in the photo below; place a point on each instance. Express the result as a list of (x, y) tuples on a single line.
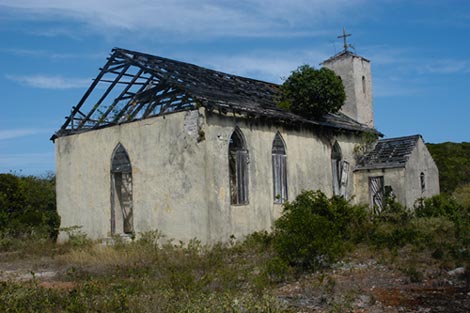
[(22, 132), (446, 66), (264, 65), (50, 82), (51, 54), (204, 17)]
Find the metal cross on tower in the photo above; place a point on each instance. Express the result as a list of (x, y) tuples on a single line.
[(344, 39)]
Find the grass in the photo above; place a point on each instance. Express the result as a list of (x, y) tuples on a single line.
[(145, 276), (152, 274)]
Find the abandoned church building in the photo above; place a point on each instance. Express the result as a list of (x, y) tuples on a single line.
[(196, 153)]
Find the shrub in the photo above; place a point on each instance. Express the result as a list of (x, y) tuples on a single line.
[(392, 225), (27, 206), (311, 232), (312, 93), (438, 205)]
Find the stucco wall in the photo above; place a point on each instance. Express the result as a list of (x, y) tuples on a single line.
[(352, 69), (308, 167), (420, 161), (405, 181), (393, 177), (181, 176), (168, 177)]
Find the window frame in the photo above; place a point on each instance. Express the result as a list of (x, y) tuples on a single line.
[(238, 160), (279, 165)]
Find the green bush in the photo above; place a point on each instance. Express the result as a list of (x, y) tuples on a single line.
[(312, 93), (313, 229), (438, 205), (453, 161), (462, 195), (28, 206)]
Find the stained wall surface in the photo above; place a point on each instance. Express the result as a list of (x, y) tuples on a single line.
[(181, 177), (355, 72), (405, 181), (420, 161)]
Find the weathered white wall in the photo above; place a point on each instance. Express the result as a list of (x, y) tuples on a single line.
[(405, 181), (308, 167), (181, 177), (420, 161), (393, 177), (352, 69), (168, 177)]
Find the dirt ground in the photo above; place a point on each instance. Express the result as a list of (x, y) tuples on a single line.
[(360, 283)]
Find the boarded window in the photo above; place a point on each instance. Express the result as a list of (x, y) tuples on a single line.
[(238, 168), (376, 193), (121, 192), (279, 169)]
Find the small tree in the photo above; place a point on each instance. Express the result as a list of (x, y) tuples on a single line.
[(312, 93)]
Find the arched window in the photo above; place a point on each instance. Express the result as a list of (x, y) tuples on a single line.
[(279, 169), (422, 179), (121, 192), (340, 170), (238, 168), (363, 84)]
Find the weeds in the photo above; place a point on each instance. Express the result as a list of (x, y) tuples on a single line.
[(151, 273)]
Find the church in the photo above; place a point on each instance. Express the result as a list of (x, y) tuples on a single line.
[(158, 144)]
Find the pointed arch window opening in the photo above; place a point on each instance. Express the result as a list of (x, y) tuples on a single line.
[(279, 160), (122, 217), (238, 168), (340, 171)]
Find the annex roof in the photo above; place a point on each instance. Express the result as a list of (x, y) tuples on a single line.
[(133, 86), (389, 153)]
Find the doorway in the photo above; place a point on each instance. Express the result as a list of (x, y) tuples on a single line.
[(122, 217)]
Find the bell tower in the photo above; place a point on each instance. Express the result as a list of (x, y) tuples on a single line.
[(356, 75)]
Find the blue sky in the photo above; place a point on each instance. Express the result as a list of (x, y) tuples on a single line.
[(51, 49)]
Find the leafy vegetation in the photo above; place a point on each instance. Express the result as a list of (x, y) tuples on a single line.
[(27, 207), (313, 229), (152, 274), (312, 93), (453, 162)]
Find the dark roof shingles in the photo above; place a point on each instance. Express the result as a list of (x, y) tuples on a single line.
[(224, 92), (388, 153)]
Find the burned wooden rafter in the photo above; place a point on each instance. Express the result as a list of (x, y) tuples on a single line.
[(86, 95), (131, 100), (123, 92), (105, 94), (133, 86)]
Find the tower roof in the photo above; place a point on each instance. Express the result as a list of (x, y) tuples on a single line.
[(343, 54)]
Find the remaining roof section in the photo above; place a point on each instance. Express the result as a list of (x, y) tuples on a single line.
[(133, 86), (389, 153)]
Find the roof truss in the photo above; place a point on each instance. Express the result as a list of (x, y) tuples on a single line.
[(133, 86), (129, 87)]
